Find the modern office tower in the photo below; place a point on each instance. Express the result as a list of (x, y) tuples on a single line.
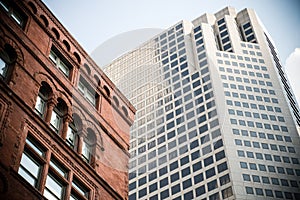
[(216, 118), (64, 126)]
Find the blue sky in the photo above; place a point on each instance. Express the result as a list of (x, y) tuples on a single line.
[(92, 22)]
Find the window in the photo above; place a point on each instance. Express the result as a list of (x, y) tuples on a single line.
[(14, 13), (173, 165), (175, 177), (243, 165), (262, 167), (57, 115), (246, 177), (224, 179), (31, 163), (227, 192), (78, 190), (55, 121), (153, 187), (7, 57), (40, 105), (42, 98), (56, 180), (212, 185), (175, 189), (210, 172), (164, 182), (71, 135), (87, 146), (54, 189), (60, 62), (275, 181), (265, 179), (253, 166), (259, 191), (198, 178), (269, 193), (222, 167), (3, 66), (164, 194), (241, 153), (255, 178), (87, 91), (249, 190)]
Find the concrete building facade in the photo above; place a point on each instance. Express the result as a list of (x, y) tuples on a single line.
[(216, 117), (64, 126)]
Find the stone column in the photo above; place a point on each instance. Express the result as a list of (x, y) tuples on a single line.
[(67, 120), (50, 106)]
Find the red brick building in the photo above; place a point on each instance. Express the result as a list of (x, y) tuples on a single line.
[(64, 126)]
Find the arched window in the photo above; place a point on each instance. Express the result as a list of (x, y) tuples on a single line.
[(72, 135), (72, 132), (57, 115), (7, 57), (88, 146), (41, 101)]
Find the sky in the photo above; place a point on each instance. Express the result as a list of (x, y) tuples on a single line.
[(94, 22)]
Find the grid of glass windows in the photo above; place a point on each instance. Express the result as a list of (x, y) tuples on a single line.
[(33, 169), (170, 107), (176, 138)]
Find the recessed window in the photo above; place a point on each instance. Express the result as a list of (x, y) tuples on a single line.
[(72, 135), (3, 66), (57, 115), (40, 105), (31, 165), (87, 91), (55, 165), (30, 169), (7, 57), (212, 185), (60, 62), (14, 13), (56, 120), (246, 177), (78, 190), (88, 146), (42, 98), (54, 189), (249, 190)]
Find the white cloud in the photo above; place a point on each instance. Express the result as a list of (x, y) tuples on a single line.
[(292, 68)]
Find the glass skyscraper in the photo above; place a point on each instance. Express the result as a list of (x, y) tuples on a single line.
[(216, 117)]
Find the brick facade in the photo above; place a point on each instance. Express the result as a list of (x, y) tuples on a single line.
[(64, 126)]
